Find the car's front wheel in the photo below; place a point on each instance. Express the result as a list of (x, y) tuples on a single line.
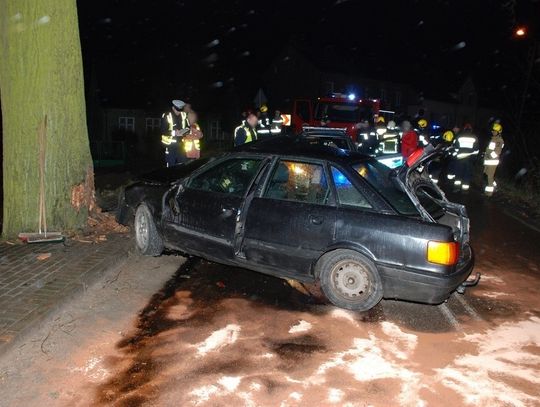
[(147, 238), (349, 280)]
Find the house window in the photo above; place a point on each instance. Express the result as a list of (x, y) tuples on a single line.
[(215, 130), (126, 123), (153, 124), (398, 99)]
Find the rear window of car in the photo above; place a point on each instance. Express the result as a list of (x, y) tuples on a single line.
[(382, 179)]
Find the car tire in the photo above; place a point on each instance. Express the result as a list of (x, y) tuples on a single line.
[(349, 280), (147, 238)]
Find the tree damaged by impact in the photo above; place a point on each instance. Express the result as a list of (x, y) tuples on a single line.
[(83, 195)]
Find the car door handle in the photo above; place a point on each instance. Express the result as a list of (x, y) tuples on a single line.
[(316, 220)]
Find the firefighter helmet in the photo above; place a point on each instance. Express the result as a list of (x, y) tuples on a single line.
[(448, 136), (496, 127), (264, 109), (422, 123), (380, 120)]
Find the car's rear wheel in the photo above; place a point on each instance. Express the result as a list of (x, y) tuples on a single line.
[(349, 280), (147, 238)]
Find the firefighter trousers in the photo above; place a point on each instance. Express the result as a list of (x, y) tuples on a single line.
[(489, 170)]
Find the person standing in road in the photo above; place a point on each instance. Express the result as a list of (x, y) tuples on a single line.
[(462, 163), (191, 142), (264, 124), (423, 132), (492, 157), (409, 140), (277, 124), (246, 133), (174, 124)]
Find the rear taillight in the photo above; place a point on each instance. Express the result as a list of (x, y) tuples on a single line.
[(445, 253)]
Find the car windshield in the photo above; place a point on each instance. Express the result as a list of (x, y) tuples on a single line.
[(343, 112), (339, 142), (381, 178)]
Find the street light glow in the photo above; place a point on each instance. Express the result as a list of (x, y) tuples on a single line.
[(521, 31)]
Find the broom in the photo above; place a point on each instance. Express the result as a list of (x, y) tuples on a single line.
[(43, 236)]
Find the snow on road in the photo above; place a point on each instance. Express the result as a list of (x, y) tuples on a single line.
[(219, 339), (505, 357)]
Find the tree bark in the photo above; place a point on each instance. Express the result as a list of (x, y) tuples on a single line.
[(41, 75)]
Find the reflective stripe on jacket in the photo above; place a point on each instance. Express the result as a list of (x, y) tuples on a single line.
[(251, 134), (466, 145), (168, 139), (494, 150)]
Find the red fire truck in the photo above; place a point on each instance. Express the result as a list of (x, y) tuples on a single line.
[(336, 110)]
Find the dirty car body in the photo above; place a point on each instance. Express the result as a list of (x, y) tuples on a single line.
[(309, 213)]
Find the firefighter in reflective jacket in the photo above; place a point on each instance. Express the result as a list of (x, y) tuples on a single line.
[(277, 124), (191, 142), (246, 133), (492, 157), (465, 154), (423, 132), (174, 125), (264, 124)]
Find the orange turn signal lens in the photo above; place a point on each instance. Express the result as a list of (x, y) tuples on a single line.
[(445, 253)]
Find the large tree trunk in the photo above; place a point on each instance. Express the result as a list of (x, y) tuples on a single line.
[(41, 75)]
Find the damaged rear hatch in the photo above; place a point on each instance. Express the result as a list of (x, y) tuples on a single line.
[(430, 201)]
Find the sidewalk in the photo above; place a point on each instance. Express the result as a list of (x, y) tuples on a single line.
[(33, 285)]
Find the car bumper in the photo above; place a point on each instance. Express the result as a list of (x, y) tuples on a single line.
[(425, 287)]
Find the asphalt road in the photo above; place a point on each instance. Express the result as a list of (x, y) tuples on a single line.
[(169, 332)]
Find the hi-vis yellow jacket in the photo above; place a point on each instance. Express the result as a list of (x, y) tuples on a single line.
[(172, 125)]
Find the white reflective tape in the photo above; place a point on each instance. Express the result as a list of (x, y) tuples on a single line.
[(465, 187), (435, 180), (466, 142), (493, 154), (491, 145), (275, 131), (457, 182), (451, 176), (489, 189), (491, 162)]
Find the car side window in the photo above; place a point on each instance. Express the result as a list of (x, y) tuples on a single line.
[(298, 181), (229, 177), (347, 193)]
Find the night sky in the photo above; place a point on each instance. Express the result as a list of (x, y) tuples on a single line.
[(139, 53)]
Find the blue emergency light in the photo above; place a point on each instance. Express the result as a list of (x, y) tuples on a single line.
[(341, 180), (352, 96)]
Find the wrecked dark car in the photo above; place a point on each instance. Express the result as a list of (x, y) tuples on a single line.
[(292, 210)]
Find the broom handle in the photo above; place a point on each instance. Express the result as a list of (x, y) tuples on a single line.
[(42, 206)]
